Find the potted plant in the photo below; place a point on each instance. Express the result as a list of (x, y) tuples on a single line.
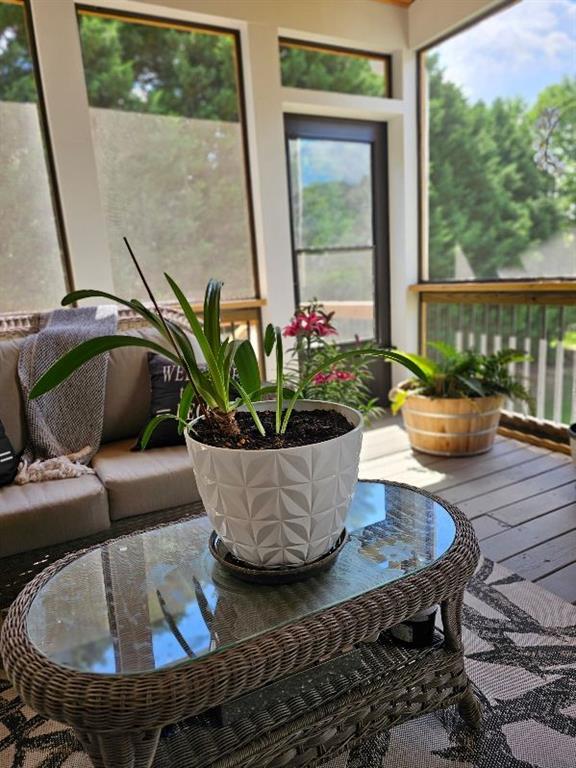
[(276, 477), (453, 407), (347, 381)]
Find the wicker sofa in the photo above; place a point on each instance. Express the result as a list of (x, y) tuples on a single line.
[(126, 485)]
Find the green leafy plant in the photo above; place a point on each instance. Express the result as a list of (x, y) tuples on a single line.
[(230, 365), (346, 382), (463, 374)]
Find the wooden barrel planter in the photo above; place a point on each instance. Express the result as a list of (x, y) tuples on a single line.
[(452, 426)]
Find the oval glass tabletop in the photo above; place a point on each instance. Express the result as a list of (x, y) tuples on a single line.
[(158, 598)]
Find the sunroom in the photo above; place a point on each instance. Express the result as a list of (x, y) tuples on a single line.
[(286, 477)]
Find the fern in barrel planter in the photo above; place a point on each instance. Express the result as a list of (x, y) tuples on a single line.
[(276, 477), (452, 408)]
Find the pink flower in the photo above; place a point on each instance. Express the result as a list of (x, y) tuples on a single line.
[(309, 324), (292, 329), (328, 378)]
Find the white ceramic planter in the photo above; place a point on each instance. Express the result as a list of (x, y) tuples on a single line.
[(280, 506)]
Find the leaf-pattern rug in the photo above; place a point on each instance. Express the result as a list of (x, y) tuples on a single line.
[(521, 654)]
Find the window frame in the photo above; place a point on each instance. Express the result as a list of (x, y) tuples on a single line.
[(375, 133), (452, 286), (45, 135), (166, 22), (386, 58)]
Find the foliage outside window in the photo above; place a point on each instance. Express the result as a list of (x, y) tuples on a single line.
[(501, 117), (324, 69), (32, 276), (169, 145)]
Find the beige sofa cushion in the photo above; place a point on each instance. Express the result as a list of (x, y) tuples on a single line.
[(41, 514), (127, 405), (11, 405), (145, 481), (127, 402)]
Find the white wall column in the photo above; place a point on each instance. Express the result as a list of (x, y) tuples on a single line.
[(403, 212), (269, 173), (62, 74)]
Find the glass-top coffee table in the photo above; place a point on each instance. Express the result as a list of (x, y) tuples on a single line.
[(146, 631)]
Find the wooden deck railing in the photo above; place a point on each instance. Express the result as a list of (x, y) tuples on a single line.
[(538, 318)]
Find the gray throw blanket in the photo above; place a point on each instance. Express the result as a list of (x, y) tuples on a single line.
[(65, 424)]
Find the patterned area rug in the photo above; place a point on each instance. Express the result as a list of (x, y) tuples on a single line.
[(521, 655)]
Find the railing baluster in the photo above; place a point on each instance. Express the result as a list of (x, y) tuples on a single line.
[(470, 336), (459, 341), (512, 341), (497, 339), (559, 368), (459, 333), (527, 347), (484, 335), (542, 360)]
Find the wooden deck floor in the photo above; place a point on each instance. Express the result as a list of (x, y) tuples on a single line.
[(520, 499)]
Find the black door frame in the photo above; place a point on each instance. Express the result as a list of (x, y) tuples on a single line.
[(376, 134)]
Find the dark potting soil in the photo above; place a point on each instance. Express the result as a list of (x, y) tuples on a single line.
[(304, 428)]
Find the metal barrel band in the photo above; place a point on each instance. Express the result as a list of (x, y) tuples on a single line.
[(476, 415), (451, 434)]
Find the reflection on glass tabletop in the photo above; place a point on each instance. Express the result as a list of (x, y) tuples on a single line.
[(158, 598)]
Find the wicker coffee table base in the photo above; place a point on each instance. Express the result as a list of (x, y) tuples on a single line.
[(307, 730), (119, 718)]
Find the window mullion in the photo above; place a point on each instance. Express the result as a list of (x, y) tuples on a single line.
[(68, 123)]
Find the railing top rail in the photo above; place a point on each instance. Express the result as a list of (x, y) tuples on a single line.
[(567, 285), (560, 292)]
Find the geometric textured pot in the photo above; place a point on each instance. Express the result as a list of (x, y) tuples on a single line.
[(280, 506)]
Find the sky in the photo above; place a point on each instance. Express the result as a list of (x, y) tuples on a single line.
[(516, 52)]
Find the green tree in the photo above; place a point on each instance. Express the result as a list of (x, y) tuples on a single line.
[(16, 73), (487, 195), (144, 68), (325, 71)]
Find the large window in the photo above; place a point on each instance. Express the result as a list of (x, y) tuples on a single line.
[(168, 137), (31, 270), (500, 122)]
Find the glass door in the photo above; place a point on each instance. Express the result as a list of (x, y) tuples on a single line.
[(339, 216)]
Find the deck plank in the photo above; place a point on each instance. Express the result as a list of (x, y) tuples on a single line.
[(472, 478), (521, 499), (562, 583), (486, 526), (524, 489), (514, 540), (540, 504), (545, 558), (507, 476)]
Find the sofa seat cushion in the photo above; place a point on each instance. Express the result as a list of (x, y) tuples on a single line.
[(139, 482), (41, 514)]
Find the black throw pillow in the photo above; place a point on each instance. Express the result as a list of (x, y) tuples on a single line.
[(167, 381), (9, 459)]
